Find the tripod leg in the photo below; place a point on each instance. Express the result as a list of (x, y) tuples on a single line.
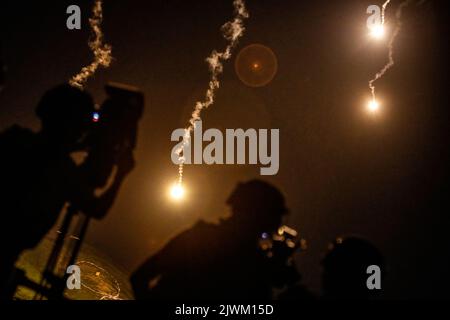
[(57, 247), (81, 236)]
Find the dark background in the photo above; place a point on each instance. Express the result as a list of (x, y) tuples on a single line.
[(342, 171)]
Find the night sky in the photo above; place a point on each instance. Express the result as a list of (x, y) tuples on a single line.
[(342, 170)]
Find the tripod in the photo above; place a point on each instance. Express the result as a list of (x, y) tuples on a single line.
[(53, 281)]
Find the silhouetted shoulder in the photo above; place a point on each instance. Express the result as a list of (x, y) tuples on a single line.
[(17, 145), (201, 228), (195, 238), (16, 136)]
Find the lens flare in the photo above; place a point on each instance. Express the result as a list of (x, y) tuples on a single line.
[(177, 192), (256, 65)]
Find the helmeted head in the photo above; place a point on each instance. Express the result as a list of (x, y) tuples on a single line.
[(65, 113), (345, 268), (258, 205)]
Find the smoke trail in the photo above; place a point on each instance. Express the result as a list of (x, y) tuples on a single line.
[(390, 62), (102, 51), (383, 10), (232, 31)]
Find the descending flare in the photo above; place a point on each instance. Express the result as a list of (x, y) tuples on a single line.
[(177, 191), (232, 31), (378, 31), (373, 106), (101, 51), (390, 62)]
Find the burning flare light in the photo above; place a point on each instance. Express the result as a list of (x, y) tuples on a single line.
[(232, 31), (391, 61)]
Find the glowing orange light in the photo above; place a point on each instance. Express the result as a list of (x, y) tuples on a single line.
[(377, 32), (177, 192), (373, 106)]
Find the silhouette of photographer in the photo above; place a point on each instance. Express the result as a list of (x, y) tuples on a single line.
[(212, 262), (39, 176)]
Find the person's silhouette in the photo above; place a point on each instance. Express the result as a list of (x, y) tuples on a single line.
[(39, 175), (218, 261), (345, 268)]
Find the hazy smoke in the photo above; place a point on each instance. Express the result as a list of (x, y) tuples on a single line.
[(101, 51), (232, 31), (390, 62)]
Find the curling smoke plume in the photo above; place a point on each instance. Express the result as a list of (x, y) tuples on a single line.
[(390, 62), (232, 31), (101, 51)]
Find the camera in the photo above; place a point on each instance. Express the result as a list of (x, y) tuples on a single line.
[(279, 248), (113, 132), (282, 244)]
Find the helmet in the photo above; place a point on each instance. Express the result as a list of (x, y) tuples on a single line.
[(352, 251), (257, 195), (64, 104), (345, 268)]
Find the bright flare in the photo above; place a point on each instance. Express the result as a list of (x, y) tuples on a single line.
[(177, 191), (231, 31), (373, 106), (377, 32)]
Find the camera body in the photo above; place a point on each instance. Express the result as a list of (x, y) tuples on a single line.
[(114, 131), (281, 245), (279, 249)]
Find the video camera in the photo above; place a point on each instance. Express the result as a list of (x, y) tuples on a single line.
[(114, 130), (281, 245), (279, 248)]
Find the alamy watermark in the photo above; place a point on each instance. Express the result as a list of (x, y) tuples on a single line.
[(235, 147), (73, 277), (374, 280), (74, 20)]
